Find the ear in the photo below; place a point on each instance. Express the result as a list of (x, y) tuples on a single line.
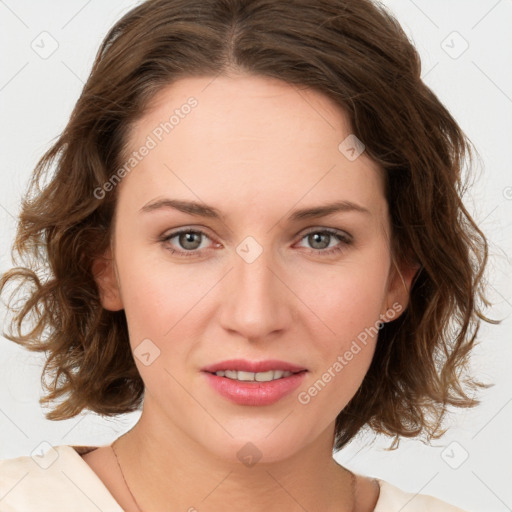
[(399, 287), (104, 271)]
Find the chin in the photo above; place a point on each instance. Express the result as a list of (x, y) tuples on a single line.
[(248, 450)]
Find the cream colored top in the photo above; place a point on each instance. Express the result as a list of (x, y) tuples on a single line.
[(61, 481)]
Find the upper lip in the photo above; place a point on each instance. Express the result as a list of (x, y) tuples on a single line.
[(252, 366)]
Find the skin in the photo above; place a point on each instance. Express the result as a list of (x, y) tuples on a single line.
[(256, 149)]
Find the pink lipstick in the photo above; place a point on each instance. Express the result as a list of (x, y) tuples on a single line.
[(254, 382)]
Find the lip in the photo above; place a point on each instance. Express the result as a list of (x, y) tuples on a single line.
[(254, 393), (253, 366)]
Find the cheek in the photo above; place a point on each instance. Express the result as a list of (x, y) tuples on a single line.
[(165, 303), (350, 307), (157, 310), (352, 299), (146, 300)]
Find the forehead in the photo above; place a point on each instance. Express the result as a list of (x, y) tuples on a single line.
[(248, 137)]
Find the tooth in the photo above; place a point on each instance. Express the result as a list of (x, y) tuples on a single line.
[(245, 376), (254, 376), (264, 376)]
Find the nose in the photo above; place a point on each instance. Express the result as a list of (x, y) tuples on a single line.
[(258, 303)]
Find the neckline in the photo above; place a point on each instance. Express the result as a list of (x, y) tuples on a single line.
[(77, 451)]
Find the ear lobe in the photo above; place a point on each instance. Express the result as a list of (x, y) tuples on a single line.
[(103, 269), (399, 287)]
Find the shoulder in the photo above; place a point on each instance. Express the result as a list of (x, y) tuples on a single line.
[(56, 478), (393, 499)]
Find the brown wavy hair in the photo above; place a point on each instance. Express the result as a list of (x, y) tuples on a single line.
[(354, 52)]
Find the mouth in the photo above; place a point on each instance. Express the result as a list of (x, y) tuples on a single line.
[(254, 371), (255, 376), (254, 382)]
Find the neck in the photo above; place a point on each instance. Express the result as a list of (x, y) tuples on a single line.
[(164, 466)]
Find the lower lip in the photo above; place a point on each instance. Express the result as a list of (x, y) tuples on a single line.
[(255, 393)]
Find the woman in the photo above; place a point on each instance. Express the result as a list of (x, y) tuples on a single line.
[(254, 231)]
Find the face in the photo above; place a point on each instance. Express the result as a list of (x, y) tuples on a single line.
[(256, 273)]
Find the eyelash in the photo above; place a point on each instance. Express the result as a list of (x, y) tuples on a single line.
[(345, 239)]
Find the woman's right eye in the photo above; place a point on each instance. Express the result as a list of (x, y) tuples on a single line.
[(188, 239)]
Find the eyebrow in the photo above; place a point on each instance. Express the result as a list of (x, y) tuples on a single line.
[(203, 210)]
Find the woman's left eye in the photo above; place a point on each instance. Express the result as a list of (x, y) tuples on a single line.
[(190, 241), (318, 237)]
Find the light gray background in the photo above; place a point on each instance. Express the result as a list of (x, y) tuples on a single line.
[(471, 465)]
